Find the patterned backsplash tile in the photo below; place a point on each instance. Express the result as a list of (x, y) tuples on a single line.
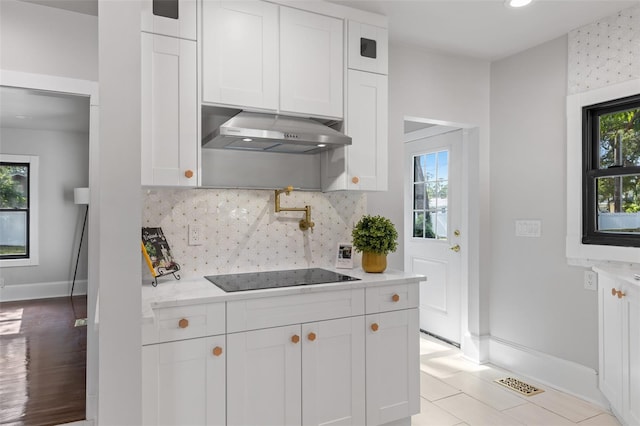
[(605, 52), (241, 232)]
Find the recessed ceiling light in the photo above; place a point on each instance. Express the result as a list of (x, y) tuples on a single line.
[(247, 140), (517, 3), (321, 145)]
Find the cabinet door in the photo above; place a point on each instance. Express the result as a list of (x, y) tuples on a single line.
[(169, 111), (263, 377), (333, 375), (311, 58), (631, 355), (184, 382), (610, 347), (368, 48), (392, 366), (175, 18), (363, 164), (240, 53)]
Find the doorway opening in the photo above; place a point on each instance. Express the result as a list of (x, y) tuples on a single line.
[(436, 218), (51, 118)]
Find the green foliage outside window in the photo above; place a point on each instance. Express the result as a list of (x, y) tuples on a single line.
[(620, 147), (12, 194)]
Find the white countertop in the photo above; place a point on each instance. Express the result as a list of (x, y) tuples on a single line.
[(199, 290), (624, 272)]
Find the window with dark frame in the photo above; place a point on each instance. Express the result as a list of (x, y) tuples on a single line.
[(611, 173), (14, 210)]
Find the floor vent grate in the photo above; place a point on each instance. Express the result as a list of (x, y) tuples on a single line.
[(81, 322), (519, 386)]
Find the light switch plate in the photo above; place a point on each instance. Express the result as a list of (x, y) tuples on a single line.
[(528, 228)]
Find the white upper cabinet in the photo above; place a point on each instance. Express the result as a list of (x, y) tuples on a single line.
[(169, 120), (175, 18), (311, 63), (240, 53), (368, 48), (363, 164)]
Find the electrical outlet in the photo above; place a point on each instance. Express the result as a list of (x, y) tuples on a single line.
[(1, 282), (195, 234), (590, 280)]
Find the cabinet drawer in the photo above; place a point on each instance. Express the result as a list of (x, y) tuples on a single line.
[(187, 322), (294, 309), (391, 298)]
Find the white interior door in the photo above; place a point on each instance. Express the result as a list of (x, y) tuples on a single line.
[(433, 207)]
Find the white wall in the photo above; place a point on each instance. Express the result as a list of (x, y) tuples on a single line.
[(120, 367), (45, 40), (64, 165), (435, 86), (532, 287)]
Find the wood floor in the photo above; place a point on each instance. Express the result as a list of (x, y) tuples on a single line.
[(42, 361)]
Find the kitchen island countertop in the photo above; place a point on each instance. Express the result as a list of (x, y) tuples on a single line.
[(200, 290)]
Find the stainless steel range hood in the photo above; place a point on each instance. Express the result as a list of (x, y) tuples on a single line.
[(274, 133)]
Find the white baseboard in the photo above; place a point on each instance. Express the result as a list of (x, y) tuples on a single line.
[(31, 291), (566, 376), (476, 348)]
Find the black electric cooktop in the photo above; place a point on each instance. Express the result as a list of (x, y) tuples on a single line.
[(276, 279)]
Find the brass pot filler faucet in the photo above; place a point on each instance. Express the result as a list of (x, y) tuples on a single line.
[(305, 223)]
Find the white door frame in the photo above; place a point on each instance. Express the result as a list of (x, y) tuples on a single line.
[(474, 345), (89, 89)]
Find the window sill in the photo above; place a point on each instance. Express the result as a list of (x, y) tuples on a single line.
[(10, 263)]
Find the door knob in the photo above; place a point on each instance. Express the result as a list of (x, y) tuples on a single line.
[(455, 248)]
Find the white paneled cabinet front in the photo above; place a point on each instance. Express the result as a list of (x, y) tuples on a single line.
[(169, 118), (308, 374), (393, 365), (619, 346), (311, 63), (610, 375), (363, 164), (175, 18), (264, 376), (184, 382), (240, 53)]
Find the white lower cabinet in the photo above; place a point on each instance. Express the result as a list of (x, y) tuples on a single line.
[(619, 345), (308, 374), (392, 366), (183, 382), (342, 357)]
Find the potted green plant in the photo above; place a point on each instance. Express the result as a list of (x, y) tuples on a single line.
[(375, 237)]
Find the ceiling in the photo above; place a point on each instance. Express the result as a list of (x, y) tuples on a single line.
[(483, 29), (38, 110)]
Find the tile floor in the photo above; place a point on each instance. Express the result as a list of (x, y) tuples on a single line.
[(455, 391)]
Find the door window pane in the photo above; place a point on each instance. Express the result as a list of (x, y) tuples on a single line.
[(430, 198)]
